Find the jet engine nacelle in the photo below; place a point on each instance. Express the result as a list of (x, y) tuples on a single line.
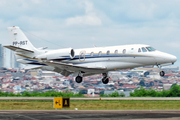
[(55, 54)]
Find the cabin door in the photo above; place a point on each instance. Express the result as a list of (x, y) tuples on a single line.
[(82, 55)]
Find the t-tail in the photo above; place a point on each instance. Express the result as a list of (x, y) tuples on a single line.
[(19, 40), (21, 45)]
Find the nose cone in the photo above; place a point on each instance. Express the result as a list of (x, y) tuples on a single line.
[(173, 58), (170, 58), (165, 58)]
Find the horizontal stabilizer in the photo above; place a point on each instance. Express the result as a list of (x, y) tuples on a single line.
[(18, 49)]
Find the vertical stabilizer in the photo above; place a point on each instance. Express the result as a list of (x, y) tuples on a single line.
[(19, 39)]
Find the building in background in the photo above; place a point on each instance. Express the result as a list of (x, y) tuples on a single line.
[(2, 56), (171, 68), (13, 62)]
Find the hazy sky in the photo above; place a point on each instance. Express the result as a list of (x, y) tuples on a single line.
[(84, 23)]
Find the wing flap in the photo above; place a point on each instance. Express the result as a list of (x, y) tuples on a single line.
[(33, 67), (18, 49), (73, 68)]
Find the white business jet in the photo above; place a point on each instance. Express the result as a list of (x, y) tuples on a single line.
[(86, 61)]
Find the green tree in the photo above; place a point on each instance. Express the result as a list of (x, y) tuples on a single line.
[(114, 94), (174, 91), (26, 94)]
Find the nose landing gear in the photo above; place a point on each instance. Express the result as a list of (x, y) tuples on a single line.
[(161, 73)]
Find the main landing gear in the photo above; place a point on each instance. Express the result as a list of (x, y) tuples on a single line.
[(78, 79), (105, 78)]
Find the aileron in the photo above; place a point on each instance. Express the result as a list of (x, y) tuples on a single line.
[(74, 67)]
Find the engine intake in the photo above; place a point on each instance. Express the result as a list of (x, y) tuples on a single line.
[(72, 54)]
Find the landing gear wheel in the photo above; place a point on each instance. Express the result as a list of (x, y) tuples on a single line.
[(162, 73), (78, 79), (105, 80)]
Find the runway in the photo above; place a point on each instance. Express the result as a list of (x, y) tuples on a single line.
[(89, 114)]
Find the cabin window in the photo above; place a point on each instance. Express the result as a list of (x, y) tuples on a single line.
[(100, 53), (116, 52), (91, 54), (150, 49), (139, 50), (108, 52), (143, 49), (124, 51)]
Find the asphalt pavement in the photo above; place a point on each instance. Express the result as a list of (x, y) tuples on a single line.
[(89, 114)]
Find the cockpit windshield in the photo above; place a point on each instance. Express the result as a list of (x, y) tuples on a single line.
[(144, 49), (150, 49)]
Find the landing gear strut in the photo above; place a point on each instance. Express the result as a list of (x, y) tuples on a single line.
[(78, 79), (105, 78), (161, 73)]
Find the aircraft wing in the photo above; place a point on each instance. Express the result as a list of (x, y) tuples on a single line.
[(74, 68), (18, 49), (33, 67)]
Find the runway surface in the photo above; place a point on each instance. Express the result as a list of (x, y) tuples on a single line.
[(89, 114)]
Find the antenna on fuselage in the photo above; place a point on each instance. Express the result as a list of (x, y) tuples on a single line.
[(94, 45)]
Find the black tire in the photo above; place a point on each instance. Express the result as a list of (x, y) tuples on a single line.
[(105, 80), (78, 79), (162, 73)]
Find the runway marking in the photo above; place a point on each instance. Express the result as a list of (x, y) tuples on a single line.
[(27, 117), (65, 116), (91, 114)]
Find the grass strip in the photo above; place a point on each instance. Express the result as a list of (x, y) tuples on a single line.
[(92, 105)]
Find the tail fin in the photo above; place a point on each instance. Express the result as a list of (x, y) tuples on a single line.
[(19, 39)]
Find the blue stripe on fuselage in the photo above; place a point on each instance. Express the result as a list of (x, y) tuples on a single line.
[(35, 62), (94, 56)]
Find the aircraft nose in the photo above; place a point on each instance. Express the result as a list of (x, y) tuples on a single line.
[(165, 58), (173, 58)]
